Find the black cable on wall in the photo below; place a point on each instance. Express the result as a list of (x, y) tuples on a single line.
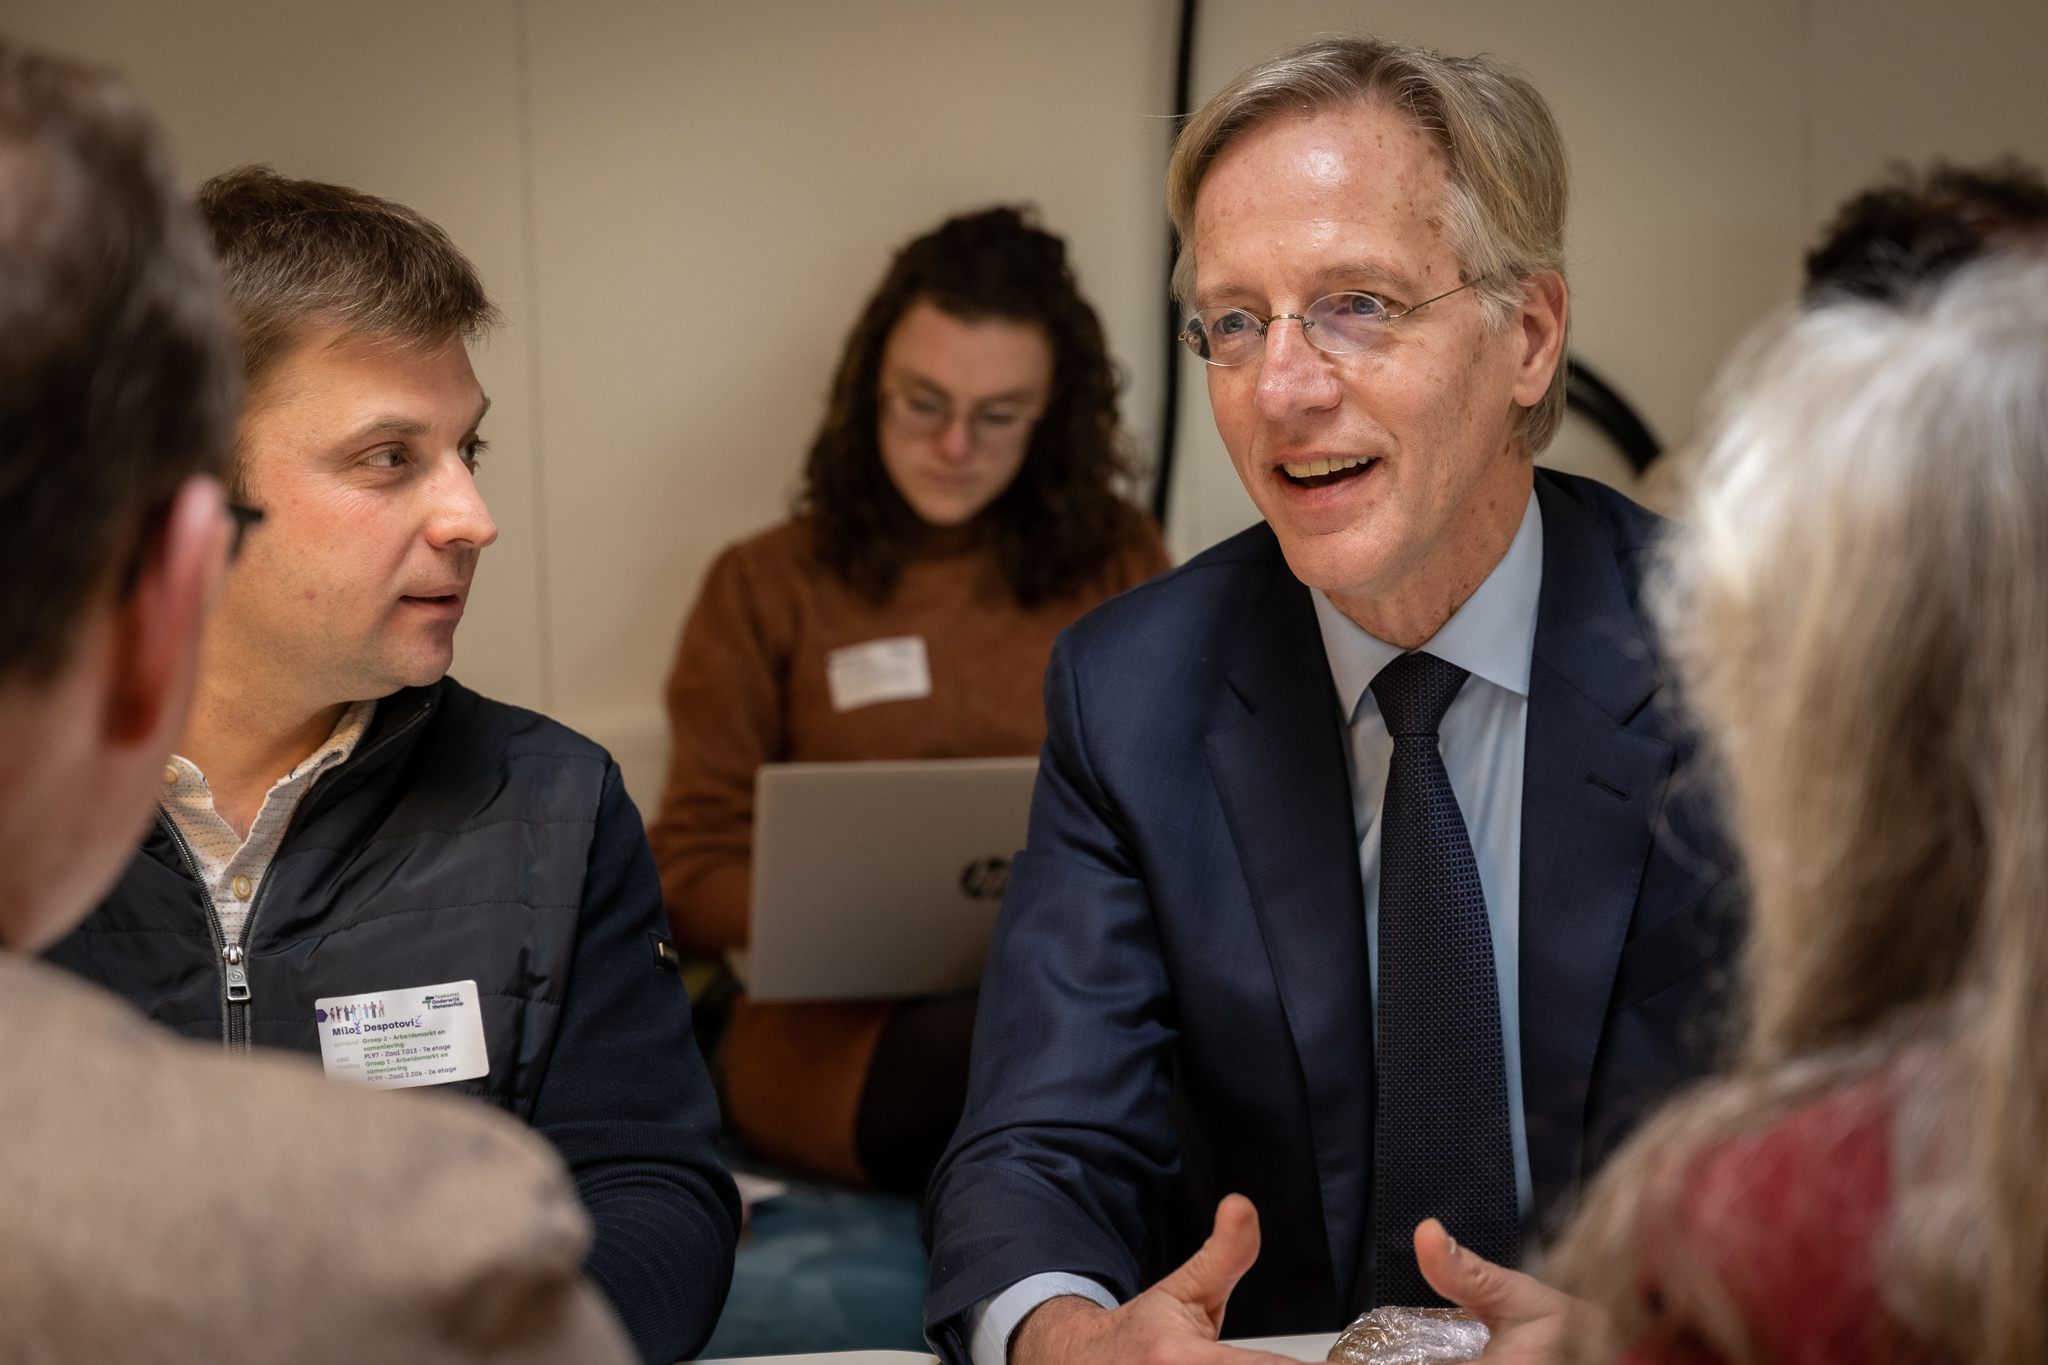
[(1600, 403), (1169, 414)]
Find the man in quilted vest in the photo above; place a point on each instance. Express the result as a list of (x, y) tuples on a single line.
[(354, 856), (162, 1202)]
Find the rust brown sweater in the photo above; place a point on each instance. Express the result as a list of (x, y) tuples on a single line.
[(749, 687)]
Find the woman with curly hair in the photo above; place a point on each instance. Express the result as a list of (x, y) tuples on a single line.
[(962, 496)]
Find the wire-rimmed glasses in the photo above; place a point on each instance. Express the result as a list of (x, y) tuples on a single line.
[(920, 415), (153, 524), (1339, 323)]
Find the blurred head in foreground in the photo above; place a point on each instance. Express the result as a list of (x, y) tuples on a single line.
[(118, 387), (1859, 608)]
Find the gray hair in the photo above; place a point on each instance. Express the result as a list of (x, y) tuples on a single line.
[(1509, 186), (1857, 608)]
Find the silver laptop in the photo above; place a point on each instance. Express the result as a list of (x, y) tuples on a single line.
[(880, 880)]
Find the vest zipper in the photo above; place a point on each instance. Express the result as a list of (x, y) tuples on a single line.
[(235, 974), (235, 967), (233, 957)]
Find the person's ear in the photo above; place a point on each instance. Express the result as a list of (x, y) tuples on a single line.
[(157, 628), (1539, 332)]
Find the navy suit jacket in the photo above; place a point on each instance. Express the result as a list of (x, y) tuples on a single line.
[(1186, 932)]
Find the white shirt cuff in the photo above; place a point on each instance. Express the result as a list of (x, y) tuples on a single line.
[(991, 1322)]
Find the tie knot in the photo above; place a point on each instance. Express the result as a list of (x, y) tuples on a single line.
[(1414, 691)]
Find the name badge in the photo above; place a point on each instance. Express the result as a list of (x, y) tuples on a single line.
[(880, 670), (388, 1040)]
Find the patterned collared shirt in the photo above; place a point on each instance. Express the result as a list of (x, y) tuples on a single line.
[(231, 866)]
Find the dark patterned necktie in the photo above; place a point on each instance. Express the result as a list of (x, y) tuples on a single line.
[(1441, 1143)]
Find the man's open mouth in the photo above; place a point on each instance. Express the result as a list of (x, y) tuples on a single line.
[(1316, 473)]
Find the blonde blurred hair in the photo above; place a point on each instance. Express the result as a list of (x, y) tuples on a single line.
[(1858, 611), (1508, 188)]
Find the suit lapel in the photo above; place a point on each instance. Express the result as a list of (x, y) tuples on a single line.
[(1276, 756), (1590, 793)]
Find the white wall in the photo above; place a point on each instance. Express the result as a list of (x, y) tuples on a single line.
[(679, 204)]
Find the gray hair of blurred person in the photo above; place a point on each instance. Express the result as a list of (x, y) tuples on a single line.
[(1509, 183), (1858, 612), (118, 378)]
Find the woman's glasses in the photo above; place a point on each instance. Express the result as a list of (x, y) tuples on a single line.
[(920, 416)]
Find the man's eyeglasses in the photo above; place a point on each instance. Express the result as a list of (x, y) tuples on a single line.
[(924, 415), (244, 518), (1337, 323), (153, 525)]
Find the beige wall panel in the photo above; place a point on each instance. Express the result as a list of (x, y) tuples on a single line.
[(1906, 79), (718, 187), (414, 102), (679, 204)]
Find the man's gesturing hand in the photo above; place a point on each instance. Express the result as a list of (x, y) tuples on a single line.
[(1531, 1323), (1175, 1322)]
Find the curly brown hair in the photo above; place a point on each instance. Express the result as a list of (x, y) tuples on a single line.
[(1060, 520)]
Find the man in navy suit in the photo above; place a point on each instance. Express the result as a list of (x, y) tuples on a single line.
[(1359, 883)]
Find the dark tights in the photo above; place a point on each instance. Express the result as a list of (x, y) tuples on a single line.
[(916, 1087)]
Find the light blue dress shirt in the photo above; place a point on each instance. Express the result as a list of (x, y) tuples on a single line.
[(1482, 738), (1492, 637)]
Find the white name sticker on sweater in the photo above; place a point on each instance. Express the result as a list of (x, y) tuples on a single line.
[(388, 1040), (880, 670)]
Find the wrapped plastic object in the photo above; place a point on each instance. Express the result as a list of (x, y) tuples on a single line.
[(1412, 1336)]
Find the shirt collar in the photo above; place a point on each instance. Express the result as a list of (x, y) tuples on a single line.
[(348, 732), (339, 744), (1491, 636)]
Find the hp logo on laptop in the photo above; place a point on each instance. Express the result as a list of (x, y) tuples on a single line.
[(985, 879)]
